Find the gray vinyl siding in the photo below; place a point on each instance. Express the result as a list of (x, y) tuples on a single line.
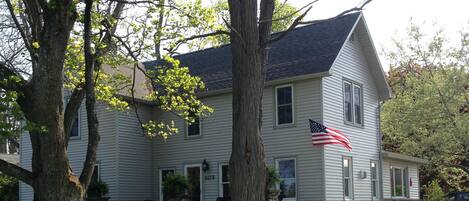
[(134, 155), (214, 145), (414, 190), (106, 155), (351, 64)]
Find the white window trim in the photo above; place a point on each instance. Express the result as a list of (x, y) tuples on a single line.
[(350, 197), (353, 84), (201, 177), (404, 182), (160, 180), (200, 130), (220, 179), (377, 180), (292, 105), (296, 177)]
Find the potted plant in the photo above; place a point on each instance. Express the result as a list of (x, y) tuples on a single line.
[(273, 178), (97, 191), (175, 187)]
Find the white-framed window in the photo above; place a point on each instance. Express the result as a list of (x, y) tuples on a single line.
[(224, 181), (399, 182), (8, 147), (194, 175), (374, 180), (75, 129), (164, 173), (286, 168), (194, 129), (284, 110), (353, 102), (347, 175)]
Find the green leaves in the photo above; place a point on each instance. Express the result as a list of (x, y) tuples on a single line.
[(426, 117)]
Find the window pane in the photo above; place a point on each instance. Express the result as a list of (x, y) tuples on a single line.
[(284, 95), (74, 131), (225, 173), (357, 104), (373, 188), (405, 182), (285, 114), (373, 170), (194, 128), (398, 182), (346, 188), (348, 101), (392, 182), (346, 168), (286, 169)]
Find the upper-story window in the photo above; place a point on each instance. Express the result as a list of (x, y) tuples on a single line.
[(284, 104), (399, 182), (347, 177), (194, 128), (353, 103), (75, 130)]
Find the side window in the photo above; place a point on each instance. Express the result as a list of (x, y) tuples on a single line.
[(287, 171), (399, 182), (224, 182), (75, 130), (374, 179), (194, 129), (353, 103), (347, 177), (284, 104)]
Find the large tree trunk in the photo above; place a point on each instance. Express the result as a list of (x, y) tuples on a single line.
[(53, 179), (248, 171)]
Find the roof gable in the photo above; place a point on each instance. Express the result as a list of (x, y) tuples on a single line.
[(309, 49)]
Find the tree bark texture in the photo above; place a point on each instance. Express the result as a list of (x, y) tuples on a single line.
[(248, 170)]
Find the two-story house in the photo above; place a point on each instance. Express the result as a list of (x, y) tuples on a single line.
[(328, 72)]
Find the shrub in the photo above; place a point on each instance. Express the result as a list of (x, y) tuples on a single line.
[(8, 188), (175, 186), (97, 189), (434, 192)]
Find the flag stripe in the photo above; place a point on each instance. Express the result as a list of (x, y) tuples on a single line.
[(322, 135)]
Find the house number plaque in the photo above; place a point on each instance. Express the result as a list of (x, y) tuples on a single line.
[(210, 177)]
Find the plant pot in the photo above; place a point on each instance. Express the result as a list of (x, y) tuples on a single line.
[(98, 199)]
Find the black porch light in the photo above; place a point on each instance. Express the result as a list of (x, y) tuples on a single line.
[(205, 166)]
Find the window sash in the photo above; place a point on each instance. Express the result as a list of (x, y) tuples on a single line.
[(288, 184), (224, 182), (284, 105), (347, 173), (399, 182), (353, 102), (374, 179)]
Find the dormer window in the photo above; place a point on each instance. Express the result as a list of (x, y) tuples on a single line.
[(353, 103), (284, 104)]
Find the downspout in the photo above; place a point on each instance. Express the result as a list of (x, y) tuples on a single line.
[(380, 148)]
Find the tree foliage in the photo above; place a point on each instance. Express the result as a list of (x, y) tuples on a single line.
[(429, 114)]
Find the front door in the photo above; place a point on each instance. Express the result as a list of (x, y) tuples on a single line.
[(194, 175)]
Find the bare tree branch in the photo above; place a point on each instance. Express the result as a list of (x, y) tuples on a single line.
[(290, 15), (298, 21), (26, 38), (16, 171), (93, 134), (179, 42)]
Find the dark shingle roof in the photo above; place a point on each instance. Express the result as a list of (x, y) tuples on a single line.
[(305, 50)]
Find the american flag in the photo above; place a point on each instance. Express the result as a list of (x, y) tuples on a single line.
[(321, 135)]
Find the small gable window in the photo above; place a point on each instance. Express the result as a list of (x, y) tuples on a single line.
[(353, 103), (194, 128), (284, 104)]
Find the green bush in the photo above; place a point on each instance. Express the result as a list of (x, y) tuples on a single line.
[(434, 192), (175, 186), (97, 189), (273, 178), (8, 188)]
